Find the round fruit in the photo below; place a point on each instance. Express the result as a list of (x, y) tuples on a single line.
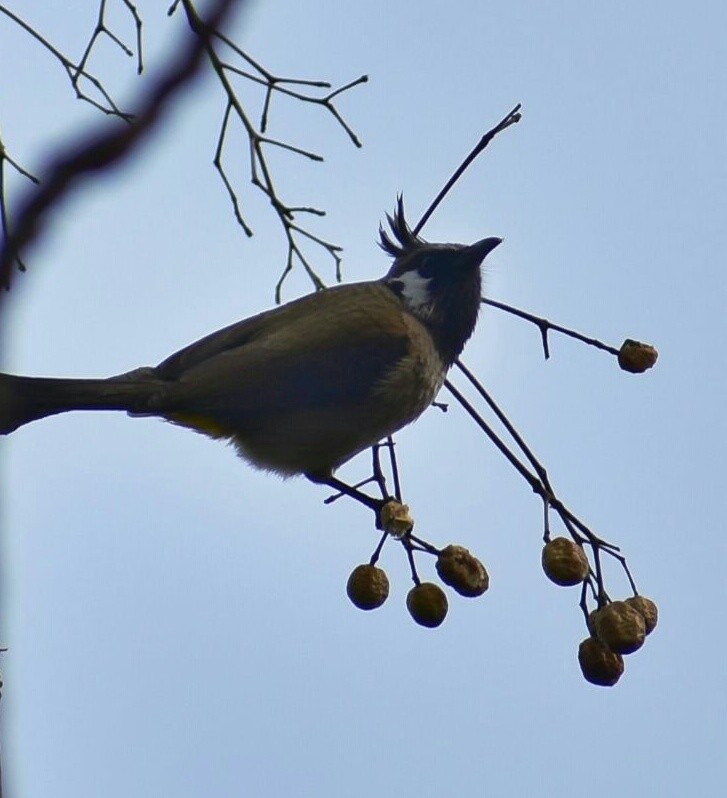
[(462, 571), (564, 562), (647, 609), (368, 587), (636, 357), (599, 665), (427, 604), (620, 627)]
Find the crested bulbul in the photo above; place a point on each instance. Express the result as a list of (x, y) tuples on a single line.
[(301, 388)]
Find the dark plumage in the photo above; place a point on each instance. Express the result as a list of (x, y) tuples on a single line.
[(301, 388), (407, 241)]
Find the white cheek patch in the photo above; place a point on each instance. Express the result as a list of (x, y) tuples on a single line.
[(415, 292)]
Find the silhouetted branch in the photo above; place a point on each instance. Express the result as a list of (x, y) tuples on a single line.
[(544, 326), (510, 119), (77, 72), (260, 172), (102, 29), (229, 61), (106, 148), (4, 220), (540, 484)]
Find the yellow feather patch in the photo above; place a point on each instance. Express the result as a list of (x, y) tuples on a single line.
[(203, 424)]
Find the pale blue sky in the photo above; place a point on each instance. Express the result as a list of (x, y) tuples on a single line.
[(178, 623)]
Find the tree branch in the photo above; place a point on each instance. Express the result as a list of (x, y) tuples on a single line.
[(104, 149)]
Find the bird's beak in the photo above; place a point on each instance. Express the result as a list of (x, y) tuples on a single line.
[(476, 253)]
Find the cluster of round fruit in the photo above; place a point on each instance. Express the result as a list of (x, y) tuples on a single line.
[(368, 586), (616, 628)]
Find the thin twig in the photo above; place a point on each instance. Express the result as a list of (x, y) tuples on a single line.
[(540, 484), (4, 220), (104, 149), (409, 549), (102, 29), (391, 445), (509, 455), (544, 325), (376, 553), (260, 172), (510, 119), (505, 421), (74, 71)]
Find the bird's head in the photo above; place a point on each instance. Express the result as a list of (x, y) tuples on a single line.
[(440, 284)]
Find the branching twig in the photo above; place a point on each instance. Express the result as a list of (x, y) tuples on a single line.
[(275, 83), (514, 434), (104, 149), (215, 42), (531, 469), (76, 72), (260, 172), (102, 29), (544, 326), (540, 484)]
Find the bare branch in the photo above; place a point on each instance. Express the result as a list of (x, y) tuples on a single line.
[(76, 72), (104, 149), (4, 220), (544, 326), (260, 173), (540, 484), (102, 29), (510, 119)]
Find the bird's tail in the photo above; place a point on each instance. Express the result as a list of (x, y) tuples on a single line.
[(26, 399)]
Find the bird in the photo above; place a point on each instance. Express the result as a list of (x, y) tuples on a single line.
[(302, 388)]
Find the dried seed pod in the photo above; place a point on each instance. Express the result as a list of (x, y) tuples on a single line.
[(647, 609), (591, 621), (564, 562), (462, 571), (599, 665), (367, 587), (395, 519), (620, 627), (636, 357), (427, 604)]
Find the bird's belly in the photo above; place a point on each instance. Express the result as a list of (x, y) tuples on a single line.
[(319, 440)]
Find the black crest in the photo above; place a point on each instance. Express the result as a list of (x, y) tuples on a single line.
[(404, 241)]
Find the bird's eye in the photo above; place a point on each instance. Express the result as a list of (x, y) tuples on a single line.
[(426, 267)]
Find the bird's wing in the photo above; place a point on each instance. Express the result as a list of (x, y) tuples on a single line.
[(236, 335), (326, 349)]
